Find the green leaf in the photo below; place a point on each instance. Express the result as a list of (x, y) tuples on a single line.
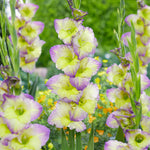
[(133, 74), (136, 63), (138, 87), (132, 98), (138, 116), (77, 3), (133, 39), (64, 141), (120, 135), (78, 141), (14, 37), (91, 139), (34, 87), (71, 140), (12, 8)]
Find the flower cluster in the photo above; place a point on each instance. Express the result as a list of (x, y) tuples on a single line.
[(16, 114), (141, 24), (120, 75), (29, 43), (78, 97)]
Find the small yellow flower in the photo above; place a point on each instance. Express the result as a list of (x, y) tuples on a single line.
[(99, 107), (96, 139), (88, 130), (46, 81), (105, 68), (50, 146), (101, 95), (22, 87), (41, 98), (100, 115), (85, 148), (50, 101), (97, 58), (97, 80), (99, 86), (101, 73), (91, 118), (105, 61), (100, 132), (65, 128), (109, 135)]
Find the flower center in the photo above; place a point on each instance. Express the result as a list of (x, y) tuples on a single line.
[(25, 139), (19, 111), (139, 138)]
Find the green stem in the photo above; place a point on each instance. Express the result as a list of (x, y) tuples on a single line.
[(78, 141), (64, 141), (28, 81), (71, 140), (91, 139)]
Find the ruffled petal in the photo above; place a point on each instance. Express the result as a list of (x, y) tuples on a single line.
[(137, 22), (84, 42), (116, 74), (19, 111), (145, 82), (145, 14), (111, 121), (65, 59), (60, 84), (119, 96), (137, 139), (32, 29), (88, 67), (78, 126), (145, 123), (27, 10), (90, 96), (60, 116), (66, 29), (126, 37), (79, 82), (115, 145)]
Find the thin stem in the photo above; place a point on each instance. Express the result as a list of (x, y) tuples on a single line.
[(78, 141), (71, 140), (63, 141), (28, 82)]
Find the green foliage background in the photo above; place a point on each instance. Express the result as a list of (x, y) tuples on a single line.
[(102, 18)]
